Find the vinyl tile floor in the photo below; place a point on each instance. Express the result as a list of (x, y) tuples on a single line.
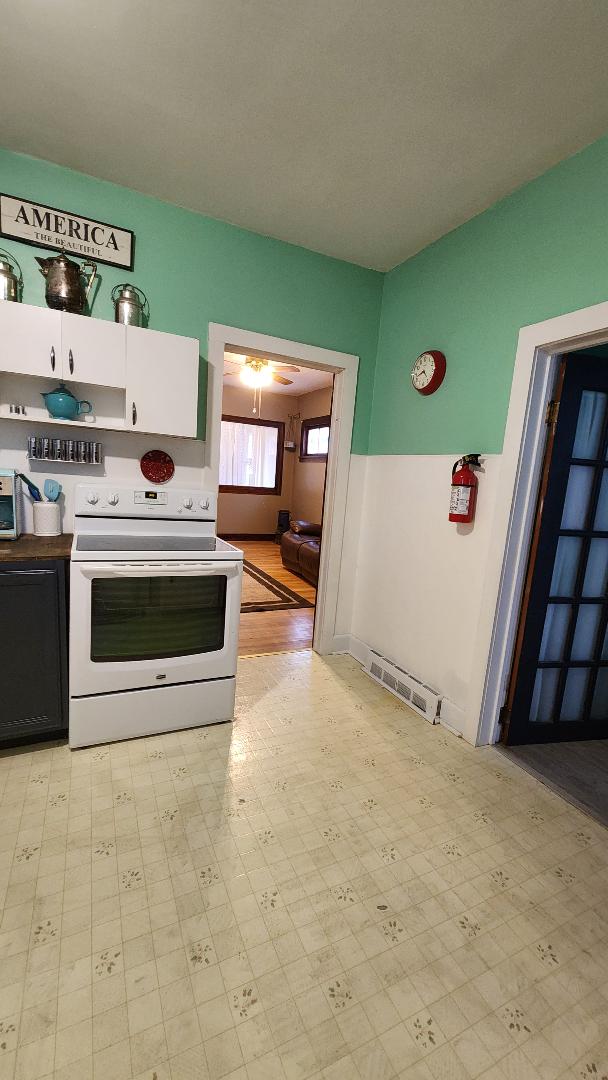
[(328, 888)]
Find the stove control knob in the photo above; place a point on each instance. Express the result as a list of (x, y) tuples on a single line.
[(204, 504), (113, 498), (188, 502), (92, 497)]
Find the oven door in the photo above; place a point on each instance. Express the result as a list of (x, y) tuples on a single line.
[(134, 625)]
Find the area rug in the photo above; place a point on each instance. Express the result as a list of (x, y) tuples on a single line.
[(263, 593)]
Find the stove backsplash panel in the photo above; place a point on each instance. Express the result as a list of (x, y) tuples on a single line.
[(121, 456)]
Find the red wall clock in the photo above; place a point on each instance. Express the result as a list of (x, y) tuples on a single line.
[(428, 371), (157, 466)]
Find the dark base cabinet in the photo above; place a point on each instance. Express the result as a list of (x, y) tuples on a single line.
[(33, 650)]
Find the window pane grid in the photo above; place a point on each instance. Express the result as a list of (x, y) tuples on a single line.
[(579, 683), (318, 440), (314, 437), (581, 600), (572, 663)]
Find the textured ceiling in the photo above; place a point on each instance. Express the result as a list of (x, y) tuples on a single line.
[(364, 129)]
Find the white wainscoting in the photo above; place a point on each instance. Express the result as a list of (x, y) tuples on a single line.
[(415, 581), (349, 566)]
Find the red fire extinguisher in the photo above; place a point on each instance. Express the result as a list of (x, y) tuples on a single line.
[(463, 494)]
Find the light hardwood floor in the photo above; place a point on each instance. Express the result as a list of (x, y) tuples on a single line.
[(275, 631)]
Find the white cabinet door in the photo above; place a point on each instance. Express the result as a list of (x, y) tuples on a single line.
[(30, 339), (162, 383), (93, 350)]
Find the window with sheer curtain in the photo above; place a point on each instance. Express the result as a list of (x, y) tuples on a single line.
[(251, 455)]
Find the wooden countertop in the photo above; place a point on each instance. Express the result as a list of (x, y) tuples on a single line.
[(29, 546)]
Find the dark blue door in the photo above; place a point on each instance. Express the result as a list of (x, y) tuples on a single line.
[(559, 686)]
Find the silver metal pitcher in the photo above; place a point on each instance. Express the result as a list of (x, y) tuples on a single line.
[(11, 286), (64, 287), (130, 305)]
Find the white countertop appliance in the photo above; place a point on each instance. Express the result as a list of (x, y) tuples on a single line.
[(155, 602)]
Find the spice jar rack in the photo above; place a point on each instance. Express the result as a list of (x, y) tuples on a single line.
[(69, 451)]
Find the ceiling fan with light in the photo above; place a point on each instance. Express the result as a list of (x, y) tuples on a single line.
[(256, 372)]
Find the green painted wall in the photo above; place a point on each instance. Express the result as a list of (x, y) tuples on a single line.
[(541, 252), (538, 253), (196, 270)]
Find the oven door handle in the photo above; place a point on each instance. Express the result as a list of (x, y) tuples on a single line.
[(225, 571), (210, 569)]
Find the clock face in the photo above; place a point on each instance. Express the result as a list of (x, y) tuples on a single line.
[(428, 372), (423, 371)]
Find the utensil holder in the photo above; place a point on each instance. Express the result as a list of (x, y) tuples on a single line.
[(47, 519)]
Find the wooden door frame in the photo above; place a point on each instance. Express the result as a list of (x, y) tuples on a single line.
[(539, 350), (344, 367)]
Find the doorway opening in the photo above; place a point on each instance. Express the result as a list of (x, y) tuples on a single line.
[(555, 718), (329, 612), (274, 444)]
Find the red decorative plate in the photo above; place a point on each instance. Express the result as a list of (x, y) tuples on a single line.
[(157, 466)]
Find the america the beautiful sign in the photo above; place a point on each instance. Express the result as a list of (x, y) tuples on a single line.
[(47, 227)]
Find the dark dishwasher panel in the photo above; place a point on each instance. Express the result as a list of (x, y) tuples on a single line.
[(33, 650)]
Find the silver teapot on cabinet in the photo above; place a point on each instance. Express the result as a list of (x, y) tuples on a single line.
[(11, 286), (130, 305), (65, 290)]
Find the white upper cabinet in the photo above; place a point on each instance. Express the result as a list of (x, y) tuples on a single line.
[(162, 383), (40, 341), (155, 374), (30, 339), (93, 351)]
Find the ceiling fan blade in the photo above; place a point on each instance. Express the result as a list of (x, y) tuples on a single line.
[(285, 367), (280, 379)]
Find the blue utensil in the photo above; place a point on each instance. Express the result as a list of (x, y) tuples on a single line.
[(52, 490), (33, 490)]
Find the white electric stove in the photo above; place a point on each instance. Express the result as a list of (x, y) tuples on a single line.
[(155, 603)]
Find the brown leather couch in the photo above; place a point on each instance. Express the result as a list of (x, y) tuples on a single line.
[(300, 549)]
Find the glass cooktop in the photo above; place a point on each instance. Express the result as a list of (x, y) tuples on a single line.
[(148, 543)]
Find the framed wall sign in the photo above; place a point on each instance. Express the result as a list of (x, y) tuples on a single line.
[(47, 227)]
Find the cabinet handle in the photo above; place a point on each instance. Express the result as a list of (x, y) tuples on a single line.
[(71, 362), (52, 357), (25, 573), (134, 413)]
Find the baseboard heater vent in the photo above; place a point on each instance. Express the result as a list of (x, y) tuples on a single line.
[(405, 686)]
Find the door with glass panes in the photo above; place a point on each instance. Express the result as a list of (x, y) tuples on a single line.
[(559, 682)]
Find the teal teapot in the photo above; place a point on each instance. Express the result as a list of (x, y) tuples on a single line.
[(62, 405)]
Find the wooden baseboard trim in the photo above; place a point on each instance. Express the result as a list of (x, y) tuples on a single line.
[(246, 536)]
